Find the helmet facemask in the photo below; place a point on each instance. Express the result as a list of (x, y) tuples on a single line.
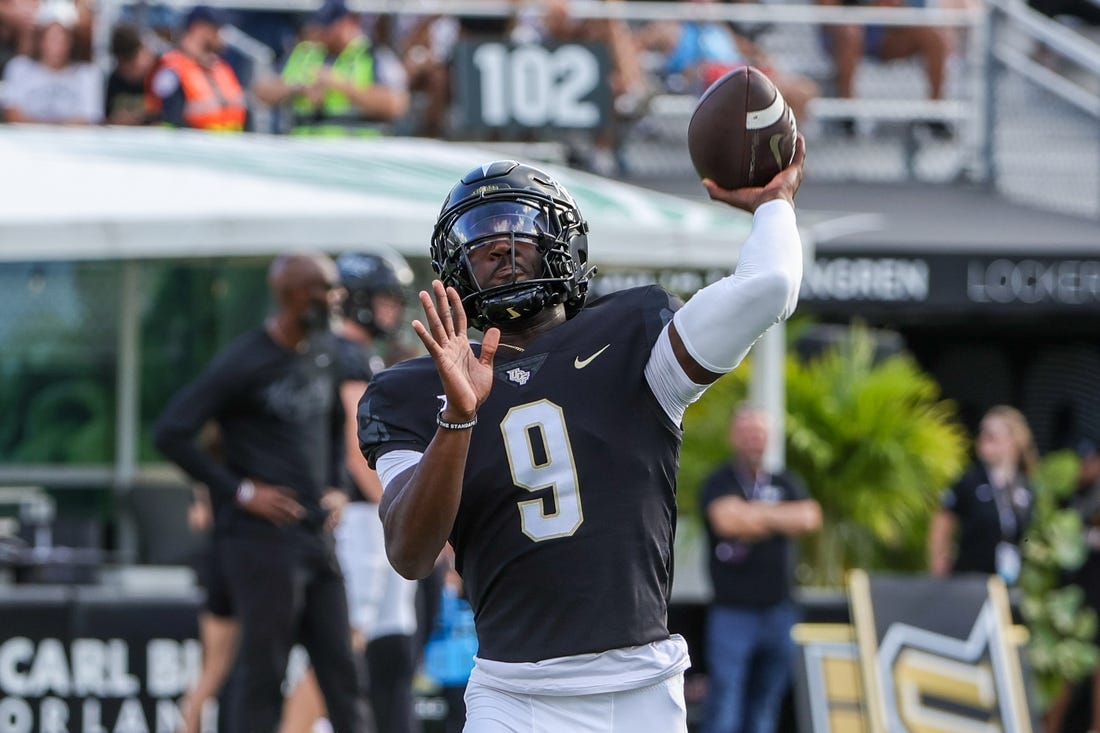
[(554, 229)]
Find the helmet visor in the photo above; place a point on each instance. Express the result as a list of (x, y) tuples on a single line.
[(497, 218)]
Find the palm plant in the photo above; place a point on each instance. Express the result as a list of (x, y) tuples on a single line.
[(877, 446), (873, 440)]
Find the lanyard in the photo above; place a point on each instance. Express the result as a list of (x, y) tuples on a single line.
[(754, 488), (1006, 514)]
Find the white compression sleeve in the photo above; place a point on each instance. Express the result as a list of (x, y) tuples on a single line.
[(669, 383), (722, 321), (394, 463)]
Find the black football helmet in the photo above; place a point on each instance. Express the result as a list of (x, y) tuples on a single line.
[(365, 275), (507, 197)]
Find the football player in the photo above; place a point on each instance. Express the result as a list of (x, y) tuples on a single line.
[(382, 604), (547, 454)]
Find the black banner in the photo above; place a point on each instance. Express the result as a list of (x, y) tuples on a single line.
[(850, 282), (77, 660)]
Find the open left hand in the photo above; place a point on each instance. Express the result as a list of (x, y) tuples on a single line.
[(466, 378)]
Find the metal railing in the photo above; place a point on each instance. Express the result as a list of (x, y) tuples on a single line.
[(1055, 60), (966, 110), (1064, 41)]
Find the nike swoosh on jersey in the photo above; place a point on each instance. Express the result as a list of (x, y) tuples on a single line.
[(580, 363)]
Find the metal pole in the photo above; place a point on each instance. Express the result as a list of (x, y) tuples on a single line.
[(127, 392), (991, 37), (767, 388)]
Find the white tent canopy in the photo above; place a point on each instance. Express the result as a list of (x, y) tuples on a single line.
[(123, 193), (137, 194)]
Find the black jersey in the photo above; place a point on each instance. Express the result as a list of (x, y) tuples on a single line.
[(565, 528)]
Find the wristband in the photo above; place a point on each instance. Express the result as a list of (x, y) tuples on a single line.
[(454, 425), (245, 491)]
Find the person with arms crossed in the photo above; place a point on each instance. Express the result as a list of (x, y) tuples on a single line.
[(338, 85), (751, 515), (274, 392), (547, 454)]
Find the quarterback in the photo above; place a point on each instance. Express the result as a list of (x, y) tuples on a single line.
[(547, 453)]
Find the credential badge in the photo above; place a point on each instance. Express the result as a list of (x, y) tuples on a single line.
[(519, 376)]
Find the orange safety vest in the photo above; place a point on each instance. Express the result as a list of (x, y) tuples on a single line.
[(213, 98)]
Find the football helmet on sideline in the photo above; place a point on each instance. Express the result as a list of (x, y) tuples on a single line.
[(519, 200), (366, 275)]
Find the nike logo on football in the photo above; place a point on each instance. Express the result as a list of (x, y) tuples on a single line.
[(580, 363), (773, 143)]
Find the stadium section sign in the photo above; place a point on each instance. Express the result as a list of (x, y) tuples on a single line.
[(899, 281), (527, 87)]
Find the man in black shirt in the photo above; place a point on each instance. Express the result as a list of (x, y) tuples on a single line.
[(547, 454), (750, 516), (275, 393)]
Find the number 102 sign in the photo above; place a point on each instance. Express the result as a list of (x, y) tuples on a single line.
[(501, 86)]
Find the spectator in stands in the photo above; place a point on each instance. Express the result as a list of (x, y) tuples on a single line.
[(50, 86), (698, 53), (848, 44), (16, 29), (124, 101), (425, 43), (628, 84), (751, 516), (337, 86), (191, 85), (988, 510)]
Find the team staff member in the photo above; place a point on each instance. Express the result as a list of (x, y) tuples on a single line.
[(275, 394), (191, 86), (334, 84), (548, 453), (751, 515), (989, 508)]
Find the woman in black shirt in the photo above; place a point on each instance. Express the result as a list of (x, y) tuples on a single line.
[(985, 514)]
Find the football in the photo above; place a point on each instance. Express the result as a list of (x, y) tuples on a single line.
[(742, 131)]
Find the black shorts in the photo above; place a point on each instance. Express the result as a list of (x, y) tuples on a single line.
[(211, 576)]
